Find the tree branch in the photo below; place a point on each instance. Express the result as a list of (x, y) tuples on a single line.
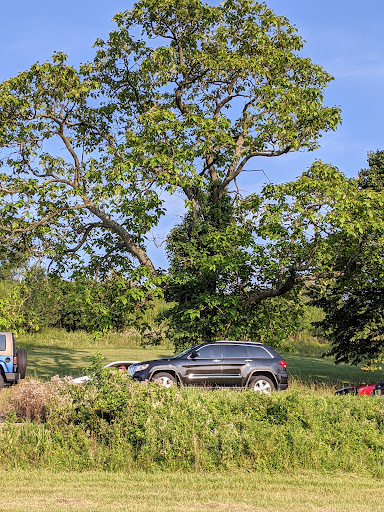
[(44, 220), (73, 154), (129, 243), (261, 295), (85, 236)]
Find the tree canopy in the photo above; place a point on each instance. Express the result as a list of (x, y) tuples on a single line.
[(179, 99), (354, 300)]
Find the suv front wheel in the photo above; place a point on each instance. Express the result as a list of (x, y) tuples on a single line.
[(261, 385), (164, 379)]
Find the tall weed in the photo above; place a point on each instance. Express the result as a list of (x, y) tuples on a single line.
[(114, 423)]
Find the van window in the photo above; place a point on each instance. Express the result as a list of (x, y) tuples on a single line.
[(2, 342)]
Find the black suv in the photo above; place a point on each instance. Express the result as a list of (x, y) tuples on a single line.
[(222, 363)]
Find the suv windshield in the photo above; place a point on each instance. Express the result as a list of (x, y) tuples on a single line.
[(186, 351)]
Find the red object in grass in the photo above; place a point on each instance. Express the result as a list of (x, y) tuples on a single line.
[(366, 389)]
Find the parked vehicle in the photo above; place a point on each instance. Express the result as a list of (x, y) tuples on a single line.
[(362, 389), (222, 363), (120, 365), (13, 361)]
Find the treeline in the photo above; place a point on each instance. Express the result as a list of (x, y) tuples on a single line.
[(31, 300), (34, 300)]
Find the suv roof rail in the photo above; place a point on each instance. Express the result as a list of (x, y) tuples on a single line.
[(239, 341)]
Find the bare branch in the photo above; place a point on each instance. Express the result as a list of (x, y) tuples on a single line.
[(87, 231), (233, 174)]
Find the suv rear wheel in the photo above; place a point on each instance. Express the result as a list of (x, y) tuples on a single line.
[(164, 379), (262, 385)]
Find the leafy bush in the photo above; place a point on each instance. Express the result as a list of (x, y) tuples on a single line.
[(114, 423)]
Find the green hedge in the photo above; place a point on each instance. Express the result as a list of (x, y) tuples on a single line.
[(113, 423)]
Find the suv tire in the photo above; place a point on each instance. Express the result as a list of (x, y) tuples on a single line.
[(21, 355), (164, 379), (261, 385), (2, 383)]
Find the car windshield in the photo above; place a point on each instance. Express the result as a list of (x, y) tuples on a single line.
[(184, 352)]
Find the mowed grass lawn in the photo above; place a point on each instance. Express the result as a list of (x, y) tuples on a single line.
[(56, 352), (45, 362), (188, 492), (238, 491)]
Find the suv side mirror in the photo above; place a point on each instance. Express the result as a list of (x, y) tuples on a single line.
[(194, 354)]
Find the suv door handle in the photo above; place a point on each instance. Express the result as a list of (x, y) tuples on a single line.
[(216, 360), (248, 360)]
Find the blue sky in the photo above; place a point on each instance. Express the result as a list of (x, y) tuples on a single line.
[(344, 36)]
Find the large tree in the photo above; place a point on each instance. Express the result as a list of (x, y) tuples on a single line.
[(178, 99), (354, 300)]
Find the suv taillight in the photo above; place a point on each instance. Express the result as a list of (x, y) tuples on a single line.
[(14, 360), (283, 364)]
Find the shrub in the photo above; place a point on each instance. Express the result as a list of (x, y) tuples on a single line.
[(33, 398), (114, 423)]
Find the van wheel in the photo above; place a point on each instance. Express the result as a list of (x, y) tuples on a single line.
[(164, 379), (21, 355), (262, 385)]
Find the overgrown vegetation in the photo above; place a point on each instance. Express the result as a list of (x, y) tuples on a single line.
[(111, 310), (112, 423), (36, 301)]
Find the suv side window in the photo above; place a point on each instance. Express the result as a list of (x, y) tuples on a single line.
[(257, 352), (210, 352), (2, 342), (234, 351)]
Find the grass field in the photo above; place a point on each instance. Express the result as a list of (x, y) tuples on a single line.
[(46, 361), (190, 492), (57, 353)]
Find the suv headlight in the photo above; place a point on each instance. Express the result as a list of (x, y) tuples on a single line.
[(141, 367)]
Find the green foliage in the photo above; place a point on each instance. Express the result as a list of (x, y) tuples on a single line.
[(373, 177), (29, 303), (209, 263), (178, 99), (209, 279), (113, 423), (58, 203), (12, 260), (99, 306), (36, 300), (354, 300), (354, 322), (294, 235)]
